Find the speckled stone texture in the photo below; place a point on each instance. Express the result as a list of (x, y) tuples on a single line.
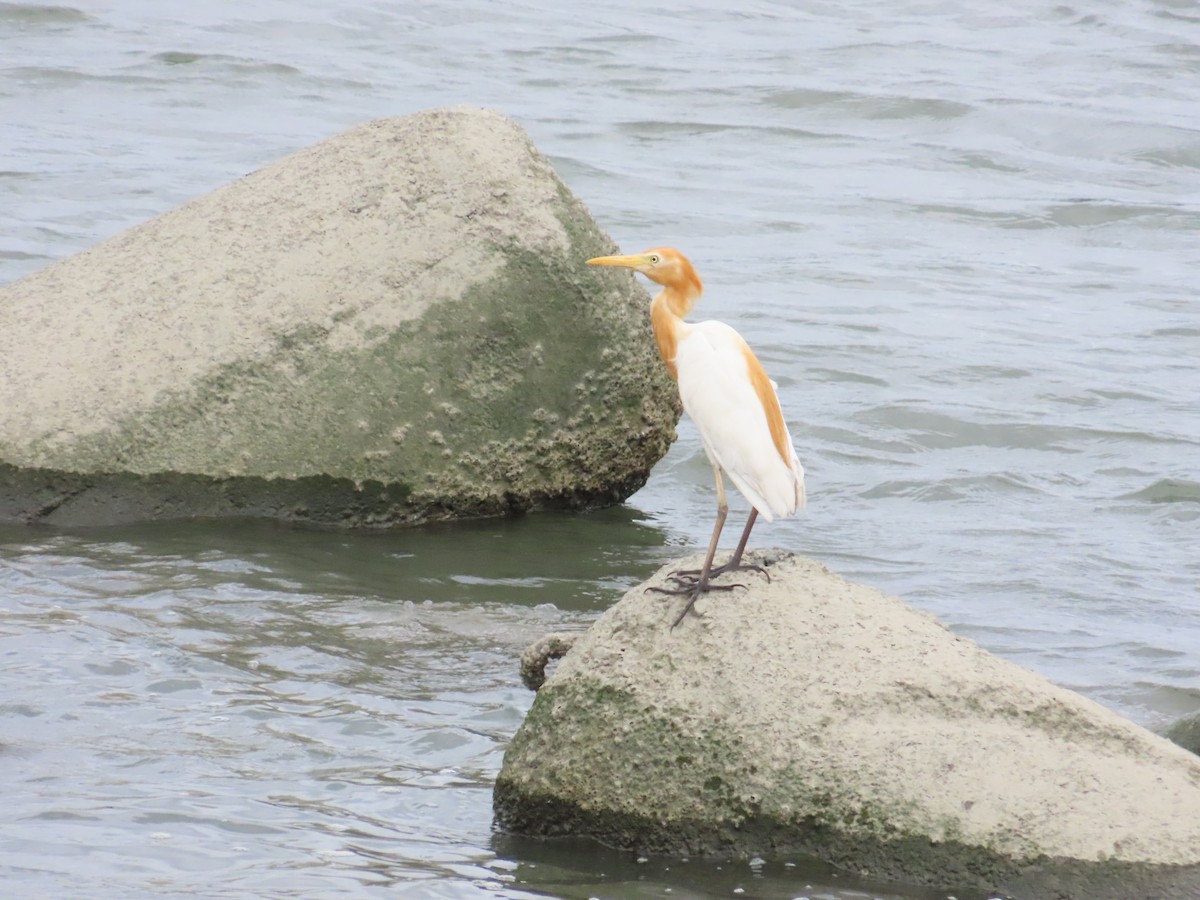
[(394, 325), (814, 715)]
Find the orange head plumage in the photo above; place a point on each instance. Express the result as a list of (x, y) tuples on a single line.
[(664, 265)]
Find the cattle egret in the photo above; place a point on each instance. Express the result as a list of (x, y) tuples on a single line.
[(727, 393)]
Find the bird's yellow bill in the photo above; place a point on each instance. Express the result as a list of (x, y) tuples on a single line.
[(629, 262)]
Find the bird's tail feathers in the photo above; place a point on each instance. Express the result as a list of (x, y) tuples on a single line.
[(798, 473)]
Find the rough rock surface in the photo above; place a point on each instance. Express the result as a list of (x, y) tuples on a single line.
[(814, 715), (393, 325)]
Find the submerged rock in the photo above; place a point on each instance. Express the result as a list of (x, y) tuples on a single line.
[(393, 325), (1186, 733), (810, 714)]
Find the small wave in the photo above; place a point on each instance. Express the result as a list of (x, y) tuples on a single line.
[(1105, 394), (985, 372), (221, 60), (36, 14), (1178, 14), (1089, 212), (562, 52), (870, 106), (1167, 490), (627, 37), (803, 98), (54, 77), (22, 255), (916, 108), (959, 213), (656, 128), (178, 58), (978, 160), (803, 134), (1179, 48), (1186, 156), (932, 430), (1093, 213), (841, 375), (973, 487), (1147, 652)]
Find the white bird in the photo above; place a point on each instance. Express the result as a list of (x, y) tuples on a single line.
[(727, 393)]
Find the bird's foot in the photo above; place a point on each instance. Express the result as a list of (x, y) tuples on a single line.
[(689, 577), (692, 592)]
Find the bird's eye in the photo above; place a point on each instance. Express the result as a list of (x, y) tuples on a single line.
[(654, 259)]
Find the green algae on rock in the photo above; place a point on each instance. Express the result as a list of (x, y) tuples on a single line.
[(391, 326), (812, 715), (1186, 733)]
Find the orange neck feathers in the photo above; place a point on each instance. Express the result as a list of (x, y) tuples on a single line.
[(681, 290), (681, 285)]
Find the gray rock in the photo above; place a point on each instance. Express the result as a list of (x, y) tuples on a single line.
[(391, 326), (813, 715)]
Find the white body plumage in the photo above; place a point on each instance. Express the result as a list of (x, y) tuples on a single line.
[(718, 393)]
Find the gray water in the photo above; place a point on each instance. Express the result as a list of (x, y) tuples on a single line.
[(962, 237)]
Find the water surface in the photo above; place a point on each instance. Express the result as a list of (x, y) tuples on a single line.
[(962, 239)]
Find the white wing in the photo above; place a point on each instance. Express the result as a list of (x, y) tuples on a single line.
[(717, 392)]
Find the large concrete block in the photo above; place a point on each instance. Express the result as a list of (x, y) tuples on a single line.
[(814, 715), (393, 325)]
